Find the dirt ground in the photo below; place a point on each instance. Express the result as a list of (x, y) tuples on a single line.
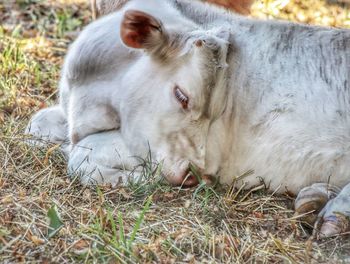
[(45, 217)]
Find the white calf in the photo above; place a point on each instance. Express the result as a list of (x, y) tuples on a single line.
[(202, 86)]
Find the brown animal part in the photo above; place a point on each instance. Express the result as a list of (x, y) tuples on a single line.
[(103, 7), (312, 199), (239, 6), (136, 27)]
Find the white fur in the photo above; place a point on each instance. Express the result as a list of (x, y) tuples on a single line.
[(279, 104)]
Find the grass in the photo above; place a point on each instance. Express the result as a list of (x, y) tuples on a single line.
[(46, 217)]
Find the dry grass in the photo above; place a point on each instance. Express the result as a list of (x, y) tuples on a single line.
[(317, 12), (145, 221)]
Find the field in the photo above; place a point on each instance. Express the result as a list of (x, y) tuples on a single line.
[(46, 217)]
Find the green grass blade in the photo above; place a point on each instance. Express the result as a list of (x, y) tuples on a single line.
[(55, 223), (114, 229), (139, 222), (121, 229)]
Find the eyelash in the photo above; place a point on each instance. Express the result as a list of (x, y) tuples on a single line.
[(181, 97)]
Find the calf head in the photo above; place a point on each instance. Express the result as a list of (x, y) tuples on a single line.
[(173, 92)]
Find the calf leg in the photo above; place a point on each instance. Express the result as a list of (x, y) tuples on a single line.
[(86, 117), (103, 158), (49, 125)]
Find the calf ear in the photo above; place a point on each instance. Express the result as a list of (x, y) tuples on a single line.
[(139, 30)]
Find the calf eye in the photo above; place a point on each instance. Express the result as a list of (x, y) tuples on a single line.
[(181, 97)]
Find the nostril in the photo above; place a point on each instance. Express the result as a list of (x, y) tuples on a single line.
[(208, 179), (199, 43), (189, 180)]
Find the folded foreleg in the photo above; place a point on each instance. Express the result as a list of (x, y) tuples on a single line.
[(103, 158), (49, 125)]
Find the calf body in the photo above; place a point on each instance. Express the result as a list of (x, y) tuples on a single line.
[(271, 97), (288, 105)]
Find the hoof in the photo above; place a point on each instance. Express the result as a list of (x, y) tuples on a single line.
[(334, 219), (312, 199), (334, 225)]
